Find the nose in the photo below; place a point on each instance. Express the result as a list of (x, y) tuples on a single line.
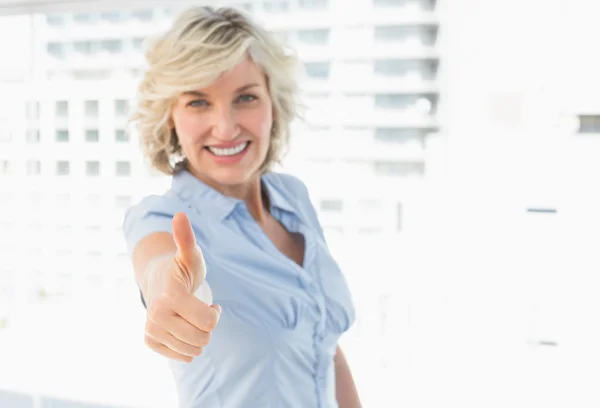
[(225, 125)]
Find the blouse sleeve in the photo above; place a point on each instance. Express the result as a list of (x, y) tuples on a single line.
[(152, 214)]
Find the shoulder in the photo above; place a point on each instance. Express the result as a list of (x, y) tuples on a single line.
[(167, 204), (288, 185), (154, 213)]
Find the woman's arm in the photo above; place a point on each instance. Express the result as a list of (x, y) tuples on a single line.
[(345, 389)]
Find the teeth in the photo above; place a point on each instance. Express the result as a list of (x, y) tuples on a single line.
[(228, 152)]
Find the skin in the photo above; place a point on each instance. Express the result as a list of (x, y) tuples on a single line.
[(235, 109)]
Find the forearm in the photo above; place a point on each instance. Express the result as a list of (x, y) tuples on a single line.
[(346, 392)]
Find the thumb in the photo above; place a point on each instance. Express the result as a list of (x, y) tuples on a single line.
[(188, 254)]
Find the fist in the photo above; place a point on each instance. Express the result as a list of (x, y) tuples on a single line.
[(181, 315)]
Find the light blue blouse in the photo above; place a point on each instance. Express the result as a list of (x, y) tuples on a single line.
[(277, 336)]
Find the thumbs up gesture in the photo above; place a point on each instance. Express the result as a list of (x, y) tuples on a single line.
[(180, 312)]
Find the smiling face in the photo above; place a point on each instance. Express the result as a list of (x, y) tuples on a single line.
[(224, 129)]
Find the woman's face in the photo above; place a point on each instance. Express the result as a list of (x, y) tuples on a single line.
[(224, 129)]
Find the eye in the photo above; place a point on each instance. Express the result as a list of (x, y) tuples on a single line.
[(197, 103), (246, 98)]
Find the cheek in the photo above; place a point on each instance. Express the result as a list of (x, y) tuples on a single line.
[(259, 123), (189, 128)]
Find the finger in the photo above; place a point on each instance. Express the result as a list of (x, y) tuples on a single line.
[(183, 233), (183, 330), (196, 312), (162, 336), (189, 255), (218, 310), (167, 352)]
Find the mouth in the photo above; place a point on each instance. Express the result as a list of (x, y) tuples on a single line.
[(229, 151)]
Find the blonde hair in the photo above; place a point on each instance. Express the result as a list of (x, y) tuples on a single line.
[(202, 43)]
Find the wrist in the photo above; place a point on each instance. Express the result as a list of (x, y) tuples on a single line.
[(154, 277)]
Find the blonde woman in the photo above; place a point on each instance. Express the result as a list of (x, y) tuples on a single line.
[(214, 113)]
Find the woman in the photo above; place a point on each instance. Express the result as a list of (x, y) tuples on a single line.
[(214, 112)]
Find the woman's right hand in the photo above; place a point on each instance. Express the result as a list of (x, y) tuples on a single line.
[(178, 324)]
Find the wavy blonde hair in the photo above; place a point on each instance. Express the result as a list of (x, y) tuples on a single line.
[(203, 43)]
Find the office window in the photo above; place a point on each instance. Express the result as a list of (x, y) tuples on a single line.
[(94, 256), (91, 109), (55, 20), (392, 33), (84, 47), (63, 168), (370, 230), (314, 37), (92, 136), (143, 15), (428, 5), (62, 136), (5, 135), (418, 35), (111, 16), (429, 36), (112, 46), (61, 109), (395, 67), (63, 200), (399, 216), (391, 3), (589, 124), (332, 205), (123, 169), (93, 201), (369, 206), (33, 167), (431, 67), (35, 201), (92, 168), (405, 169), (317, 70), (138, 43), (276, 6), (6, 198), (122, 257), (392, 101), (5, 167), (57, 50), (91, 74), (121, 108), (84, 18), (32, 110), (412, 4), (248, 7), (122, 202), (93, 229), (313, 4), (121, 136), (136, 73), (32, 136), (400, 135), (281, 36)]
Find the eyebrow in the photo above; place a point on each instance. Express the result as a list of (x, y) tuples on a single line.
[(203, 95)]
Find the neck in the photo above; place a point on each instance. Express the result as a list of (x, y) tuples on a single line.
[(252, 194)]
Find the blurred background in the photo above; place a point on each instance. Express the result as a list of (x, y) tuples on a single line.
[(452, 151)]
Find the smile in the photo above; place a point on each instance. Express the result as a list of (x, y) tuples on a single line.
[(231, 151)]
